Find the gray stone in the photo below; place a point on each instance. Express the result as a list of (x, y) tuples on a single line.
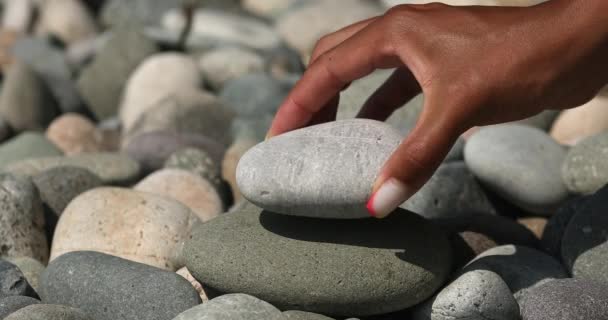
[(232, 307), (322, 171), (13, 282), (369, 267), (474, 295), (101, 83), (11, 304), (585, 170), (48, 312), (187, 111), (111, 168), (31, 269), (452, 191), (551, 241), (52, 66), (59, 185), (520, 267), (152, 149), (221, 65), (144, 12), (520, 163), (584, 243), (199, 162), (254, 95), (353, 98), (567, 299), (21, 219), (25, 101), (108, 287), (251, 128), (27, 145), (302, 315)]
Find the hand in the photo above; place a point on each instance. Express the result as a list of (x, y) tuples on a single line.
[(474, 65)]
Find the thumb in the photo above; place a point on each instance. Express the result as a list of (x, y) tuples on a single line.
[(414, 161)]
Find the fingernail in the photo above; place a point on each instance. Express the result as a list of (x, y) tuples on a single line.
[(387, 198)]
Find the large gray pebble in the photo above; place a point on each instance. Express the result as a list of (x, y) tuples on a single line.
[(520, 267), (25, 101), (474, 295), (232, 307), (58, 186), (585, 169), (108, 287), (584, 243), (451, 192), (254, 95), (566, 299), (21, 219), (323, 171), (48, 312), (520, 163), (303, 315), (13, 282), (369, 267), (27, 145), (111, 168), (102, 82), (11, 304)]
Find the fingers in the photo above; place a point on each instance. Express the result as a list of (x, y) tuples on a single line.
[(328, 113), (354, 58), (396, 91), (415, 161)]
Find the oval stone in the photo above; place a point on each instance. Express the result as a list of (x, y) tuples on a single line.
[(27, 145), (232, 307), (324, 171), (368, 267), (585, 170), (11, 304), (520, 163), (48, 312)]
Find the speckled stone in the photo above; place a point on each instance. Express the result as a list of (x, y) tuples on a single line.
[(31, 269), (108, 288), (234, 306), (111, 168), (11, 304), (223, 64), (101, 83), (324, 171), (567, 299), (400, 260), (13, 282), (48, 312), (134, 225), (25, 101), (554, 231), (474, 295), (22, 219), (520, 163), (197, 161), (452, 191), (520, 267), (303, 315), (190, 189), (585, 170), (152, 149), (74, 134), (58, 186), (27, 145), (584, 243)]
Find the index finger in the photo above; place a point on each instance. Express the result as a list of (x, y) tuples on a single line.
[(354, 58)]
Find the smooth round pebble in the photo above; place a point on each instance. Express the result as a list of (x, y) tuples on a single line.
[(27, 145), (13, 282), (401, 260), (302, 315), (134, 225), (224, 64), (520, 267), (268, 8), (474, 295), (75, 134), (60, 185), (11, 304), (69, 20), (48, 312), (197, 161), (520, 163), (234, 306), (22, 219), (31, 269), (584, 170), (108, 288), (190, 189), (576, 124), (254, 95), (566, 299)]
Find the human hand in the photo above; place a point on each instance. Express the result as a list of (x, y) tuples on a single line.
[(475, 66)]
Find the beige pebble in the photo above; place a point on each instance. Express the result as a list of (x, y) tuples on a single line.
[(231, 159), (576, 124), (75, 134)]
